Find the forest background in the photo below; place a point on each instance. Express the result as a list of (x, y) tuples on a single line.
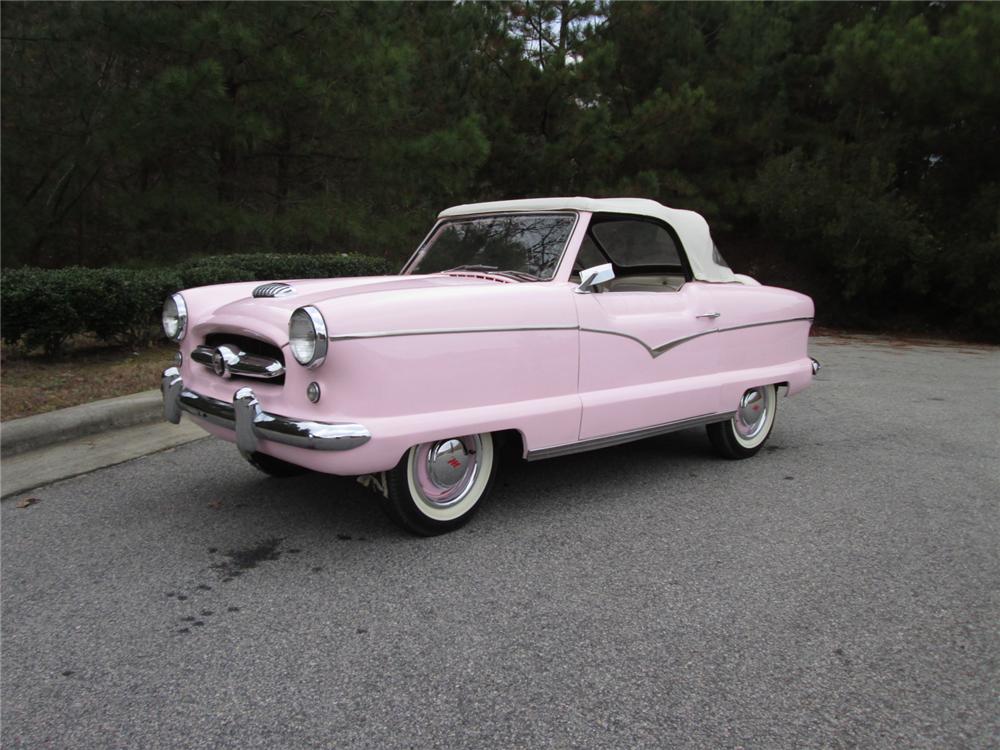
[(848, 150)]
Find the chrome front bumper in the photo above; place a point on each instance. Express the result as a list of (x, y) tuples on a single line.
[(251, 423)]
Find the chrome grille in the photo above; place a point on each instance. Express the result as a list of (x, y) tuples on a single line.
[(241, 357)]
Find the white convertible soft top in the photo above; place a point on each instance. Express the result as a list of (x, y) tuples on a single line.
[(691, 227)]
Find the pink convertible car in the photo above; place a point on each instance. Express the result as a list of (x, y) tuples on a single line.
[(554, 325)]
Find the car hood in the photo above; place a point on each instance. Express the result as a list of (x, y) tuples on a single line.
[(316, 291), (338, 299)]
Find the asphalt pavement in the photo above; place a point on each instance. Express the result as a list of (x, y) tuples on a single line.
[(840, 589)]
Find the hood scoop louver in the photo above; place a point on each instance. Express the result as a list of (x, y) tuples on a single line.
[(275, 289)]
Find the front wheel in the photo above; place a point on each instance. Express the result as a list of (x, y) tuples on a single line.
[(437, 486), (748, 430)]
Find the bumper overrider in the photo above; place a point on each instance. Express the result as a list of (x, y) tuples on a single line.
[(251, 423)]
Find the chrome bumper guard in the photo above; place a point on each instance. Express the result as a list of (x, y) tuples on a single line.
[(251, 423), (228, 360), (815, 365)]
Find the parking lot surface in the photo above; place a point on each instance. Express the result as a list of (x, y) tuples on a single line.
[(842, 588)]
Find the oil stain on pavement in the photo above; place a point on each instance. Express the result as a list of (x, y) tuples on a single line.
[(235, 564), (241, 560)]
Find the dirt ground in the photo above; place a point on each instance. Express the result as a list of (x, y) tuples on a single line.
[(33, 384)]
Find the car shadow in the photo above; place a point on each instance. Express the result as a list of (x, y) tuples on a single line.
[(319, 525), (340, 506), (590, 478)]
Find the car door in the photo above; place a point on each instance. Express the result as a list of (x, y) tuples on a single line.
[(647, 356)]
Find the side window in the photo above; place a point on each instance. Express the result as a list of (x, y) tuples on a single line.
[(589, 256), (631, 242)]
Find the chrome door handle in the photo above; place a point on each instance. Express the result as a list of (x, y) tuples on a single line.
[(709, 315)]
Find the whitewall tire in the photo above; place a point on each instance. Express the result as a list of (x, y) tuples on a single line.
[(748, 430), (437, 486)]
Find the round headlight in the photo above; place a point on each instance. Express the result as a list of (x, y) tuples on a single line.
[(175, 317), (307, 336)]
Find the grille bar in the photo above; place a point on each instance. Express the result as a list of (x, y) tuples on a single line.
[(227, 360)]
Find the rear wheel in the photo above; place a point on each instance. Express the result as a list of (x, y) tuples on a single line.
[(437, 486), (748, 430), (272, 466)]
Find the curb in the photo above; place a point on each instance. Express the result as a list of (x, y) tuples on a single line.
[(42, 430)]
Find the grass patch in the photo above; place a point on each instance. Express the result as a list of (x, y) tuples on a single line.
[(34, 384)]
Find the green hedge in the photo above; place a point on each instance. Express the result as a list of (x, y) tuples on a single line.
[(222, 269), (44, 307)]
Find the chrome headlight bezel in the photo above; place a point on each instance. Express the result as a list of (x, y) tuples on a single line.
[(174, 314), (315, 338)]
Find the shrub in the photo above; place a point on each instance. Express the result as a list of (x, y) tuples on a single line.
[(222, 269), (44, 307), (39, 307), (128, 302)]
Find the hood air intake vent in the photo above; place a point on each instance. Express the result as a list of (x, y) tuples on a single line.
[(275, 289)]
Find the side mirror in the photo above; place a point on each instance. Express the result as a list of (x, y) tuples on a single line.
[(592, 277)]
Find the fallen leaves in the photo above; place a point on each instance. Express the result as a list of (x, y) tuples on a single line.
[(26, 502)]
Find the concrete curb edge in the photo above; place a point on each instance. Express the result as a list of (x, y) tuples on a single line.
[(42, 430)]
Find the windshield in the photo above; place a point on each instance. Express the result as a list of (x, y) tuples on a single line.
[(523, 246)]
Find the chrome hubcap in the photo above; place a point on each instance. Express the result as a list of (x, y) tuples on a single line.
[(446, 470), (447, 462), (753, 411)]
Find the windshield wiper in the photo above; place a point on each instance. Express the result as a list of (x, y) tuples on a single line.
[(520, 275), (471, 267)]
